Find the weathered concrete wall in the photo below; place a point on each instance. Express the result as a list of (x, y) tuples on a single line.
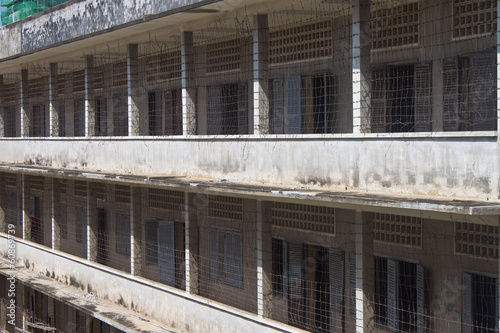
[(409, 164), (80, 19), (172, 307)]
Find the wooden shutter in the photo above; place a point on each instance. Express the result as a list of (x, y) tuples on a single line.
[(336, 288), (278, 106), (238, 259), (451, 111), (466, 303), (420, 299), (151, 235), (166, 253), (242, 109), (378, 101), (423, 93), (352, 284), (169, 113), (294, 271), (392, 295), (214, 110), (214, 255), (483, 91), (293, 105)]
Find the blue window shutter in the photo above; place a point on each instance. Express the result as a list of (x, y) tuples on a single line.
[(393, 295), (466, 303), (293, 105), (278, 106), (214, 255), (336, 288), (166, 253)]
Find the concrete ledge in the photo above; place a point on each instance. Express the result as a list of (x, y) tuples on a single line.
[(171, 306)]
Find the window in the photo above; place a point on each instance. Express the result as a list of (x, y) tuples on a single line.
[(37, 128), (11, 211), (479, 304), (226, 256), (279, 267), (154, 112), (151, 233), (474, 18), (62, 119), (469, 92), (120, 115), (63, 222), (81, 228), (227, 109), (395, 26), (36, 219), (79, 111), (401, 98), (303, 104), (160, 249), (173, 112), (122, 232), (10, 121), (100, 116), (399, 295)]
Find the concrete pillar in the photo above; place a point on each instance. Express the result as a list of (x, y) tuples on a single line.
[(56, 214), (361, 71), (2, 108), (188, 84), (92, 221), (89, 96), (136, 195), (133, 89), (25, 112), (53, 106), (264, 259), (364, 272), (3, 204), (26, 216), (194, 202), (260, 82)]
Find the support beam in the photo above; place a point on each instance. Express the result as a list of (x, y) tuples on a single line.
[(133, 89), (56, 214), (195, 202), (89, 96), (264, 259), (364, 272), (361, 71), (136, 194), (260, 82), (188, 84), (92, 221), (25, 118), (53, 106)]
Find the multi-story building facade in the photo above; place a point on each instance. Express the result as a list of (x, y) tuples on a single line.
[(251, 166)]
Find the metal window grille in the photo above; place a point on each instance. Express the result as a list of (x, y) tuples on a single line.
[(474, 17), (163, 66), (303, 217), (476, 240), (398, 229), (99, 77), (10, 92), (395, 26), (166, 200), (35, 88), (61, 84), (80, 189), (224, 56), (230, 208), (302, 42), (79, 81), (122, 194), (120, 73)]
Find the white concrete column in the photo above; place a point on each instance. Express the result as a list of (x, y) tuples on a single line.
[(56, 214), (25, 117), (53, 106), (92, 221), (260, 68), (260, 278), (194, 204), (25, 201), (364, 273), (89, 96), (264, 258), (133, 89), (361, 72), (187, 252), (136, 196), (188, 84)]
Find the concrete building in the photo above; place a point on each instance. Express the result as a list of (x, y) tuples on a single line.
[(251, 166)]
